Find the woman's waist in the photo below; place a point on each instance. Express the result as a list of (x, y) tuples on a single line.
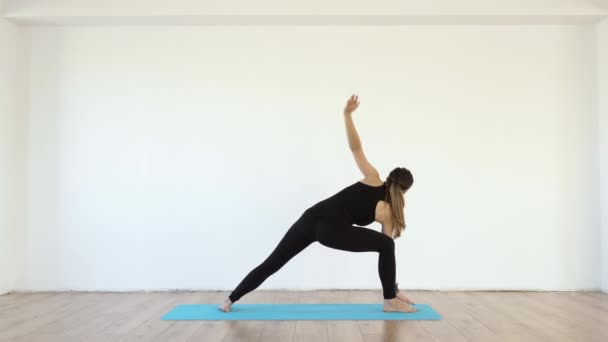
[(330, 212)]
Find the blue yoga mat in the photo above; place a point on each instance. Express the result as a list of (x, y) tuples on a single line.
[(300, 312)]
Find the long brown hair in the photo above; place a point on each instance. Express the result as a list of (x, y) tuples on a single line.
[(397, 182)]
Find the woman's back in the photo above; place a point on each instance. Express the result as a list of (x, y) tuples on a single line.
[(355, 203)]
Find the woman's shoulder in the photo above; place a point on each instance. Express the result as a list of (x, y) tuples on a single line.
[(372, 181)]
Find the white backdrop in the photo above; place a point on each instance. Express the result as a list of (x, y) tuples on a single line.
[(11, 157), (157, 8), (177, 157), (602, 44)]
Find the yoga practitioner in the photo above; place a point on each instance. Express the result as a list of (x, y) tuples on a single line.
[(331, 223)]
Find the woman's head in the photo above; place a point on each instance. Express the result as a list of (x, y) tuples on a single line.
[(401, 178), (397, 184)]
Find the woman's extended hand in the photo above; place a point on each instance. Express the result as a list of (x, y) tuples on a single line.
[(351, 104)]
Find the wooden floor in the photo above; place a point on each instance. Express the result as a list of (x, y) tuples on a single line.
[(467, 316)]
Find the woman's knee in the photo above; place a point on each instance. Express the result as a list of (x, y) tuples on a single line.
[(268, 268), (388, 244)]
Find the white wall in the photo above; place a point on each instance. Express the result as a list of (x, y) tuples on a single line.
[(312, 7), (177, 157), (314, 12), (602, 43), (11, 157)]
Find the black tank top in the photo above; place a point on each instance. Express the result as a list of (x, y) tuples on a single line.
[(354, 204)]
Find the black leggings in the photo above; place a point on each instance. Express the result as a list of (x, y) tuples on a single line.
[(308, 229)]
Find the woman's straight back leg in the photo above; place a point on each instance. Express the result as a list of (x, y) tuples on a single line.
[(299, 236)]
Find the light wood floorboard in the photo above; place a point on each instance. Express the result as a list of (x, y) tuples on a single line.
[(467, 316)]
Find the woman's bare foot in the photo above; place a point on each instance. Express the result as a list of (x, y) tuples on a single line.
[(403, 298), (396, 305), (226, 305)]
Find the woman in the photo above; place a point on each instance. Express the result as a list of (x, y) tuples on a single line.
[(330, 222)]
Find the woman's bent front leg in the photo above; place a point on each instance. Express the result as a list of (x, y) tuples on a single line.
[(360, 239)]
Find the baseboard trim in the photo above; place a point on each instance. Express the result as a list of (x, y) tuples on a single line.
[(308, 290)]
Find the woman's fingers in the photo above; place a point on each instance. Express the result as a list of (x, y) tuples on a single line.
[(352, 103)]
